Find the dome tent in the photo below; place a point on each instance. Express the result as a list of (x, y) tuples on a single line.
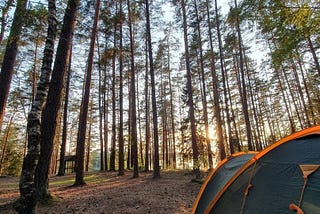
[(283, 178)]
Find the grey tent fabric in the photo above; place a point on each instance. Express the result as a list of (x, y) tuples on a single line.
[(219, 177), (276, 181)]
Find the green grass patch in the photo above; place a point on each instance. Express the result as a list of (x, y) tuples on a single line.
[(89, 179), (95, 179), (10, 186), (62, 182)]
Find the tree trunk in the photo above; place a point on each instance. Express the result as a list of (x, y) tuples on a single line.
[(173, 128), (61, 171), (147, 116), (87, 159), (306, 120), (314, 55), (204, 89), (133, 114), (101, 95), (173, 159), (52, 106), (106, 128), (282, 90), (5, 142), (156, 165), (5, 11), (139, 123), (85, 103), (243, 82), (256, 131), (305, 86), (34, 69), (26, 185), (130, 145), (293, 101), (10, 54), (231, 118), (164, 124), (196, 164), (120, 128), (113, 129), (217, 108)]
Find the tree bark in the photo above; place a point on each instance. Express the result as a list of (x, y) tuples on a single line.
[(174, 155), (26, 185), (82, 130), (133, 114), (243, 83), (312, 117), (5, 11), (101, 96), (156, 165), (106, 126), (147, 116), (52, 106), (61, 171), (120, 128), (217, 108), (204, 90), (113, 129), (314, 55), (5, 142), (196, 164), (10, 54), (87, 159)]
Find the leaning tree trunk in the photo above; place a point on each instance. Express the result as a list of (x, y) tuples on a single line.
[(52, 106), (27, 192), (85, 104), (10, 54)]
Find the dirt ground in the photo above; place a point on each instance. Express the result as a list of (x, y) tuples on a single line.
[(105, 193)]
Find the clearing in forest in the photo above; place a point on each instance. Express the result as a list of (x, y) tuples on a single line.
[(106, 192)]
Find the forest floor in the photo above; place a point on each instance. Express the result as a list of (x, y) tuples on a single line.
[(105, 193)]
